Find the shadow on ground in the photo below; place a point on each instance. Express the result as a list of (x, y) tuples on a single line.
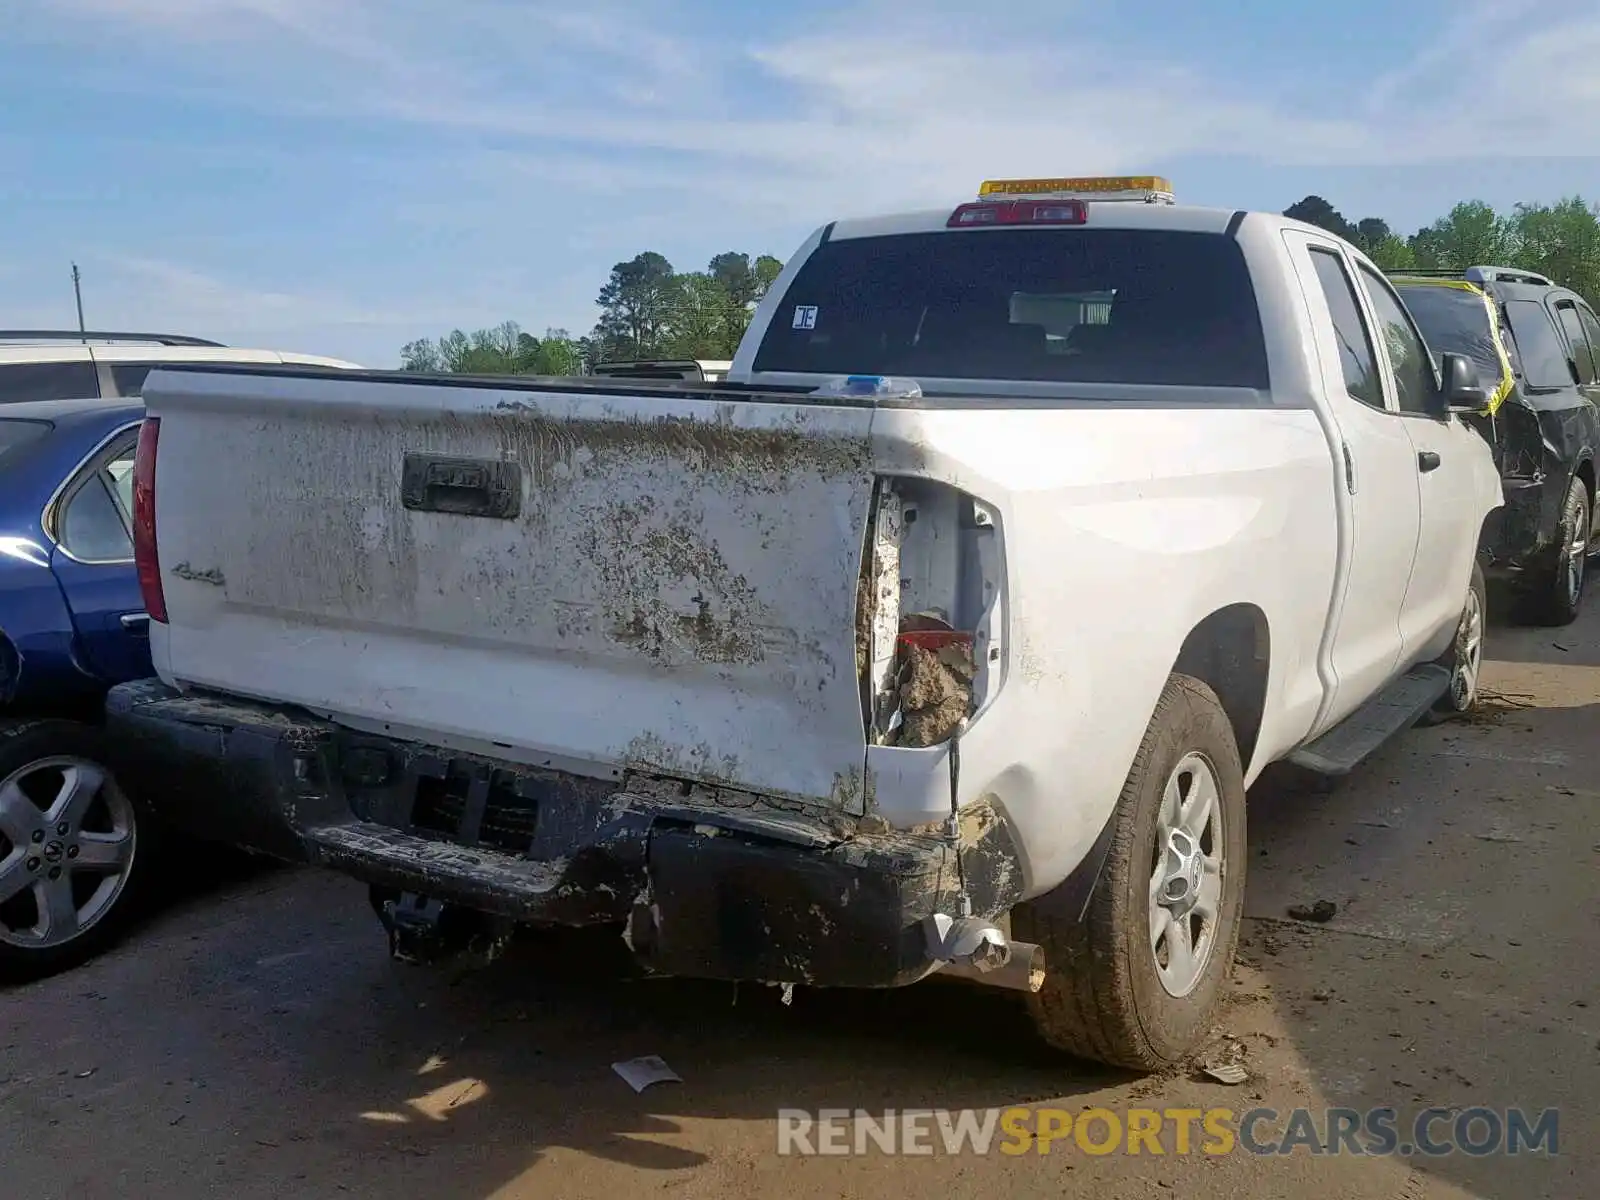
[(264, 1045)]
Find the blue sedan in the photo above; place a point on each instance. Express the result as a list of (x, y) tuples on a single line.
[(72, 624)]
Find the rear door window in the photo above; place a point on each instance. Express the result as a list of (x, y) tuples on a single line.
[(1414, 378), (1129, 306), (1591, 326), (21, 382), (92, 528), (1544, 357), (1577, 340), (95, 524), (1357, 358)]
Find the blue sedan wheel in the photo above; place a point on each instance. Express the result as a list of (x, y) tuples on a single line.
[(70, 848)]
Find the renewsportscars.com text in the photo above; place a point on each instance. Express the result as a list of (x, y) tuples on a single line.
[(1433, 1132)]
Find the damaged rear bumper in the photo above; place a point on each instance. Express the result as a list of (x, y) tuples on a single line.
[(1538, 450), (1522, 536), (710, 883)]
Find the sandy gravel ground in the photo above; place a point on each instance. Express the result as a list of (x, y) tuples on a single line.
[(253, 1040)]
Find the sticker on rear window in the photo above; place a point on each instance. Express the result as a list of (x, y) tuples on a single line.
[(805, 316)]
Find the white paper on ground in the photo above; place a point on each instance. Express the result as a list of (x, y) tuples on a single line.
[(640, 1073)]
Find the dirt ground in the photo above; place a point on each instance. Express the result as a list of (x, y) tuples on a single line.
[(254, 1040)]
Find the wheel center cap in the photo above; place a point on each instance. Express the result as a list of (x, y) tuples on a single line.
[(1184, 867), (54, 852)]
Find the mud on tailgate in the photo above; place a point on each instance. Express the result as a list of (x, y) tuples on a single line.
[(654, 582)]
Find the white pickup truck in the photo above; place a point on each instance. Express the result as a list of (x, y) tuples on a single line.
[(944, 634)]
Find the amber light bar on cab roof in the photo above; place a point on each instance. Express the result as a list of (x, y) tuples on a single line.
[(1148, 189), (1054, 201)]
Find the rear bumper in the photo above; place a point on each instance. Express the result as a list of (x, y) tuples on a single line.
[(711, 883)]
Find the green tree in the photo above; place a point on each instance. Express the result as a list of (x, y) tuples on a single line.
[(746, 284), (1372, 232), (1369, 233), (558, 354), (1392, 253), (504, 349), (636, 305), (1425, 249), (1314, 210), (736, 275), (766, 270), (648, 310), (420, 355), (706, 320), (1562, 241), (1472, 234)]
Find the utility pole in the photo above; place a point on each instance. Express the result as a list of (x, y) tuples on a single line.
[(77, 294)]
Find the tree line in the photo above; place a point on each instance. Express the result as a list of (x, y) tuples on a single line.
[(1560, 240), (651, 310), (648, 309)]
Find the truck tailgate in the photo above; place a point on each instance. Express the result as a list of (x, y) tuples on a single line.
[(598, 579)]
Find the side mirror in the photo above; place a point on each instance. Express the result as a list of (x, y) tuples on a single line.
[(1461, 390)]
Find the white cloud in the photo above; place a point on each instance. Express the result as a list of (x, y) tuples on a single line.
[(121, 291), (655, 129), (887, 106), (1511, 78), (192, 298)]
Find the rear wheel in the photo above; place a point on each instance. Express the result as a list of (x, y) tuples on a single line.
[(1561, 594), (72, 850), (1137, 982)]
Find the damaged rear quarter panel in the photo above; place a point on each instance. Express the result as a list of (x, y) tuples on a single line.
[(1540, 440), (1121, 530), (677, 592)]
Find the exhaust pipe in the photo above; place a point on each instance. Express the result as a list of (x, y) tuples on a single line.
[(979, 951)]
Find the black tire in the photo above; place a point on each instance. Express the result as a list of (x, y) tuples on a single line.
[(23, 744), (1465, 676), (1558, 600), (1103, 998)]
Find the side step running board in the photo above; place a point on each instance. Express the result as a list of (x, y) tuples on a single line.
[(1398, 707)]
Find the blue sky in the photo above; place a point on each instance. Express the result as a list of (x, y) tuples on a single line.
[(341, 176)]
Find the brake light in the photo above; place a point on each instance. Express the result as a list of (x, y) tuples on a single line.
[(144, 521), (1019, 212)]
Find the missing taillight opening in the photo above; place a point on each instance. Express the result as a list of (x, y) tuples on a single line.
[(928, 626), (145, 558)]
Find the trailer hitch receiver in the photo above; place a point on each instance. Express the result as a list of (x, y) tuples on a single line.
[(424, 931)]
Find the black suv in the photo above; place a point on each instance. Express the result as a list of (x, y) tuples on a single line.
[(1537, 347)]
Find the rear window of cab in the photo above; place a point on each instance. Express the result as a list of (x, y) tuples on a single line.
[(1127, 306)]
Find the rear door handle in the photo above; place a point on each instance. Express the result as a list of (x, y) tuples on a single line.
[(136, 620), (1427, 460)]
